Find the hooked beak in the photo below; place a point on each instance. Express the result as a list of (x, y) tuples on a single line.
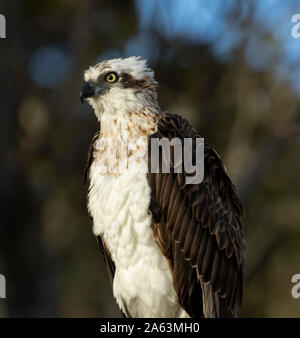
[(90, 90)]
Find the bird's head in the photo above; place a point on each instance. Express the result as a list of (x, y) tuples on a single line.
[(115, 85)]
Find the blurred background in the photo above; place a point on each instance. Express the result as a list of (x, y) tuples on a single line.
[(231, 67)]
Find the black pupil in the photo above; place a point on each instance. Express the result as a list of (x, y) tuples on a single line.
[(110, 77)]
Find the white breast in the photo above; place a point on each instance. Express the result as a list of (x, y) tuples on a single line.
[(119, 208)]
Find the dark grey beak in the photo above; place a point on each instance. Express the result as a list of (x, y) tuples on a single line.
[(87, 90)]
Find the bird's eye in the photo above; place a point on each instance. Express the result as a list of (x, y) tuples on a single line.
[(111, 77)]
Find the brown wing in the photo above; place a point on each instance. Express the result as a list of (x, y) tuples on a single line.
[(107, 257), (103, 248), (198, 228)]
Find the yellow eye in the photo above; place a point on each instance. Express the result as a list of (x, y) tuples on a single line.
[(111, 77)]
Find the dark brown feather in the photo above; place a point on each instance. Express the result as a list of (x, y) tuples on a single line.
[(201, 227)]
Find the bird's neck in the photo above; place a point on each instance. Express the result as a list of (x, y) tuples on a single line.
[(128, 125), (123, 140)]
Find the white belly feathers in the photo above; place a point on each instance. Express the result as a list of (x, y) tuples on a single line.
[(119, 208)]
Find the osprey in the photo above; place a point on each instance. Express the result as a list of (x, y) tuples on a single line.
[(172, 249)]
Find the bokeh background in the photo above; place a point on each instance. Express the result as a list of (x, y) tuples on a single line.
[(231, 67)]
